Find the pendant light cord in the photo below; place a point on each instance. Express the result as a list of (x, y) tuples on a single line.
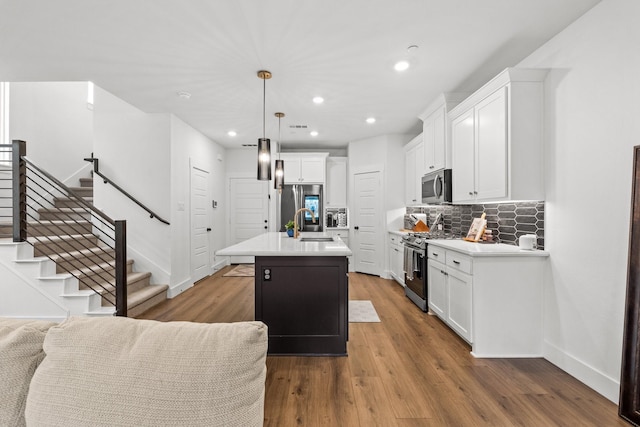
[(264, 106)]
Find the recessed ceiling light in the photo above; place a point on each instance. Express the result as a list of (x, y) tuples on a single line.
[(313, 133), (401, 65), (371, 120), (318, 100), (232, 133), (183, 94)]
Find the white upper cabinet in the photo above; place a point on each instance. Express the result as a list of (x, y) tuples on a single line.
[(496, 140), (336, 190), (414, 170), (304, 168), (435, 131)]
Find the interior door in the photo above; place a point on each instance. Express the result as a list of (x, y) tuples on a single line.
[(200, 224), (248, 208), (368, 229)]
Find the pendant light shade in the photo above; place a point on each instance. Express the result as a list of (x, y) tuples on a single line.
[(278, 182), (264, 159), (264, 144)]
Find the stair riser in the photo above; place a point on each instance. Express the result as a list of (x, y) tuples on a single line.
[(82, 191), (86, 182), (151, 302), (83, 261), (139, 284), (100, 275), (64, 216), (66, 203), (58, 230), (61, 246)]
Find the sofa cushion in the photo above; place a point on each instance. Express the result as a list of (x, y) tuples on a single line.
[(20, 354), (127, 372)]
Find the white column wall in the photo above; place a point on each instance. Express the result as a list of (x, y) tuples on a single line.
[(188, 147), (134, 150), (591, 112)]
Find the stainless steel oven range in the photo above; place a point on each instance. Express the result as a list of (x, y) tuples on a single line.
[(415, 268)]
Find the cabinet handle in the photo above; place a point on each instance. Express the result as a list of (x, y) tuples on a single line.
[(471, 193), (434, 254), (456, 262), (431, 167), (475, 192), (441, 271)]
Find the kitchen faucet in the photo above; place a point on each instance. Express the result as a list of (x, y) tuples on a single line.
[(296, 233)]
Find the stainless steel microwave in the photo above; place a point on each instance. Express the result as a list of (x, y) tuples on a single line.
[(436, 187)]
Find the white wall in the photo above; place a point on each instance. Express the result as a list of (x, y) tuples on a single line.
[(189, 147), (385, 153), (134, 150), (55, 121), (591, 112)]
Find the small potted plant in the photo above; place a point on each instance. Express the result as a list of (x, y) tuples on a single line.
[(289, 226)]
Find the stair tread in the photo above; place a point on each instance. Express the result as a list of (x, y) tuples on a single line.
[(148, 292), (54, 209), (131, 279), (98, 268)]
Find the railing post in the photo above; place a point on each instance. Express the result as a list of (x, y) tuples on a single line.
[(19, 193), (121, 268)]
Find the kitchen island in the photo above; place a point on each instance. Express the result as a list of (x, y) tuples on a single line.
[(301, 291)]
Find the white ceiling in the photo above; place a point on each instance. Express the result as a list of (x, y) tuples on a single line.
[(145, 52)]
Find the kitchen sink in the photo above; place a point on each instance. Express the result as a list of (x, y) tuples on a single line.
[(316, 239)]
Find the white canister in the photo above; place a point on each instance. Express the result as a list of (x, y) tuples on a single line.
[(528, 242)]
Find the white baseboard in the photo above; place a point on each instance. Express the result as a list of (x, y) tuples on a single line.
[(386, 274), (603, 384), (220, 264), (176, 290)]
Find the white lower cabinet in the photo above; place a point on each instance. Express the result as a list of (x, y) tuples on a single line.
[(396, 258), (493, 301), (450, 289)]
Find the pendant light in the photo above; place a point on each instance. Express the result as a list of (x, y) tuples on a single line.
[(278, 182), (264, 144)]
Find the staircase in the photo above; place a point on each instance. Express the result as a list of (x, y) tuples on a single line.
[(78, 253)]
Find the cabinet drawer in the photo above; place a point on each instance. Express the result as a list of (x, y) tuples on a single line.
[(460, 262), (436, 253), (394, 239)]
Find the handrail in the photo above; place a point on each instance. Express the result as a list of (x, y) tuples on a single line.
[(68, 190), (106, 180)]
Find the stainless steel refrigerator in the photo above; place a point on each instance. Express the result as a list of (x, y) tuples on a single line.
[(298, 196)]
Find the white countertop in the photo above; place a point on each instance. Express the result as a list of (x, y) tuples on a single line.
[(279, 244), (399, 232), (485, 249)]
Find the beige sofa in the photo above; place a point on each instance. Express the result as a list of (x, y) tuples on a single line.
[(127, 372)]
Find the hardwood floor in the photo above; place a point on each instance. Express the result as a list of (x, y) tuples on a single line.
[(409, 370)]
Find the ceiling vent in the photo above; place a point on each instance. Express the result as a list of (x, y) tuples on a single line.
[(298, 126), (249, 145)]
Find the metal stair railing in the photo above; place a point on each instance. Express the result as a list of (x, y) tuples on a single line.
[(33, 194)]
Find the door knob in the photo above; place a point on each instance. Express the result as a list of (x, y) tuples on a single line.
[(208, 228), (265, 221), (356, 228)]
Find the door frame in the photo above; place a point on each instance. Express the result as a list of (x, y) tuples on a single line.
[(629, 406), (196, 165), (380, 246)]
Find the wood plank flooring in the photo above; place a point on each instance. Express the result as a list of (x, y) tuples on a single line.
[(409, 370)]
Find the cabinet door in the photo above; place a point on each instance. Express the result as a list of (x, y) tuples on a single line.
[(410, 177), (491, 146), (437, 288), (397, 261), (463, 157), (459, 308), (336, 191), (312, 170), (420, 171), (291, 170), (439, 139), (428, 137)]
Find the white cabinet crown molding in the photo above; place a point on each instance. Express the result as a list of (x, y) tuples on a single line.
[(508, 75), (449, 100)]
